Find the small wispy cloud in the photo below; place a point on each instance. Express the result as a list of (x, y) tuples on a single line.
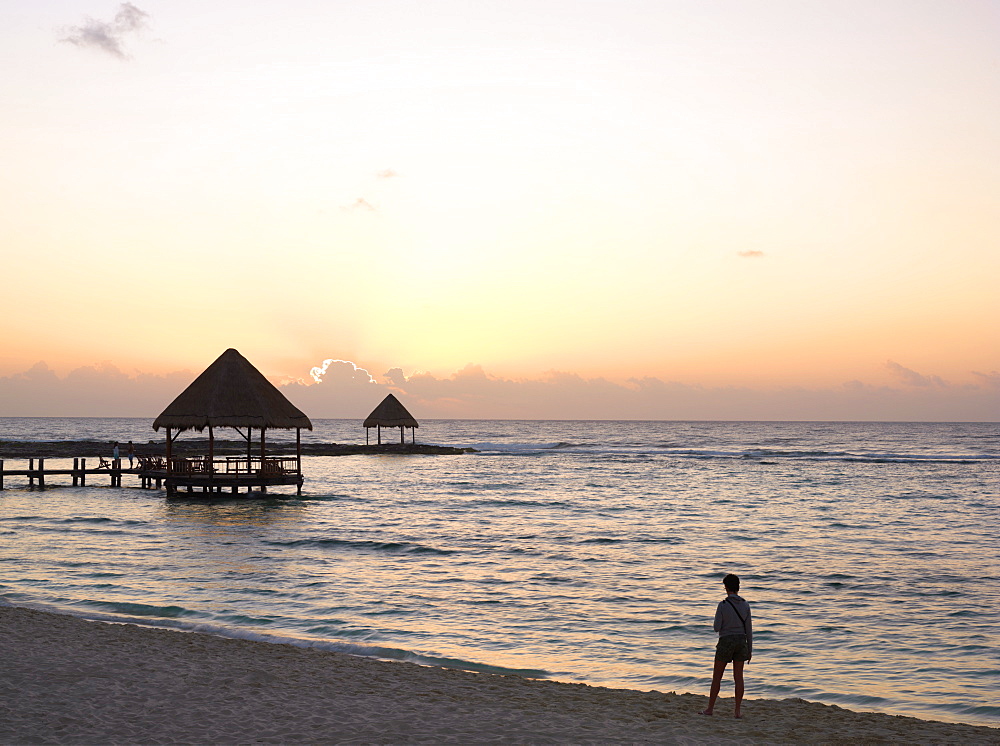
[(911, 377), (991, 379), (386, 173), (108, 36), (360, 204), (750, 254)]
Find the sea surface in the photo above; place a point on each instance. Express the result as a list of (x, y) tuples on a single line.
[(577, 551)]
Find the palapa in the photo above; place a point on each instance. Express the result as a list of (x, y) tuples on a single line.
[(391, 413), (231, 393)]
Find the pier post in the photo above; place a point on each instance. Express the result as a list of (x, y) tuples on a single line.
[(83, 472), (116, 473), (1, 473), (76, 476), (31, 476), (41, 474)]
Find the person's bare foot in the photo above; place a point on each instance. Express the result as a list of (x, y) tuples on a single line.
[(738, 716), (706, 712)]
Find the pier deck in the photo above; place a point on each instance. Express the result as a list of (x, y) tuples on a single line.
[(231, 474)]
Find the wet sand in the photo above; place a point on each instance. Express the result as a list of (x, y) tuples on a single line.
[(70, 681)]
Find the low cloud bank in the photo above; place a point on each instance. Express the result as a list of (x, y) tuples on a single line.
[(349, 391)]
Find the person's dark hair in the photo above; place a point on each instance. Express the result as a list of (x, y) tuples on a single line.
[(732, 583)]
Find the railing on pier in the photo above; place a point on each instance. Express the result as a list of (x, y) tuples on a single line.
[(232, 466), (37, 474)]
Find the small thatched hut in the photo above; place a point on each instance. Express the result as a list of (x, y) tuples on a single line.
[(232, 393), (390, 413)]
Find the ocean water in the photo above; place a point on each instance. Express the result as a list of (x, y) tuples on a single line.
[(578, 551)]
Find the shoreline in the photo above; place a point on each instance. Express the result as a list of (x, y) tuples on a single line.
[(74, 681), (25, 449)]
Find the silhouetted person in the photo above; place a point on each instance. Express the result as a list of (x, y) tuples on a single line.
[(130, 452), (732, 622), (114, 452)]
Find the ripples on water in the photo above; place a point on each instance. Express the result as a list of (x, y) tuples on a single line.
[(585, 551)]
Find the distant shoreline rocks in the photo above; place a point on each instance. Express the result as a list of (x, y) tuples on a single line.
[(199, 446)]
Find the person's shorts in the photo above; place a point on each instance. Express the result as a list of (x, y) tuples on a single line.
[(732, 648)]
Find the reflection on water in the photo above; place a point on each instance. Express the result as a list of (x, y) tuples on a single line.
[(591, 550), (255, 511)]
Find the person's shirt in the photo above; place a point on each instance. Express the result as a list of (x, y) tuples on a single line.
[(727, 618)]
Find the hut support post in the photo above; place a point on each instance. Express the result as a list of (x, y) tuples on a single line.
[(263, 471), (171, 488), (402, 435), (298, 460), (211, 455)]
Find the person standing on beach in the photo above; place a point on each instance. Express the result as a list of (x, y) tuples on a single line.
[(732, 622)]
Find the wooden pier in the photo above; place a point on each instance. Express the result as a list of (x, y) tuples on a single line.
[(37, 472), (231, 474)]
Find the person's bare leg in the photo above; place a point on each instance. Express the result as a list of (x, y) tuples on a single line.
[(713, 694), (738, 679)]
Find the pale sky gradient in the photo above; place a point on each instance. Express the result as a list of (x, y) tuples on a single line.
[(755, 196)]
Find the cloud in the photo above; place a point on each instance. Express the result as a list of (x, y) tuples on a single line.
[(360, 204), (108, 36), (347, 390), (911, 377), (991, 379), (100, 390), (750, 254), (343, 370), (394, 377), (474, 393)]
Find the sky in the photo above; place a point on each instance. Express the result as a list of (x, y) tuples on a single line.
[(654, 210)]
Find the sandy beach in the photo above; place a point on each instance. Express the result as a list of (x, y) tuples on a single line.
[(68, 680)]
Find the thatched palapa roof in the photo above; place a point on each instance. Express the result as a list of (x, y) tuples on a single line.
[(231, 393), (390, 413)]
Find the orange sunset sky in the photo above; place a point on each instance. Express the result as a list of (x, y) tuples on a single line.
[(663, 210)]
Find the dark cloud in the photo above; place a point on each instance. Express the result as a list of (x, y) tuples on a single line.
[(750, 254), (108, 36)]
